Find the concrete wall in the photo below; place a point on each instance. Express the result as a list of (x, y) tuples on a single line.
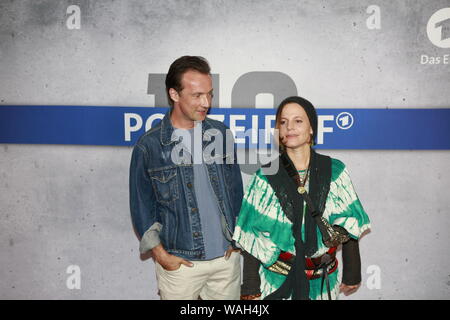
[(64, 205)]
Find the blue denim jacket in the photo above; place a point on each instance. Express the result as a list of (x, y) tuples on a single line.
[(162, 198)]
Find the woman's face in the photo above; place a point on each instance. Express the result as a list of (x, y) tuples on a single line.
[(294, 126)]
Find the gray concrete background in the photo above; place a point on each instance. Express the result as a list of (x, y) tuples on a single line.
[(68, 205)]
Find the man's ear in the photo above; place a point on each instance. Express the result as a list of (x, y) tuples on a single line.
[(174, 94)]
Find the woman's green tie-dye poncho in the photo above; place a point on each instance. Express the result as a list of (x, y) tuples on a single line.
[(263, 230)]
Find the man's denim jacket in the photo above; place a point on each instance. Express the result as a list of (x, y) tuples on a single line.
[(162, 198)]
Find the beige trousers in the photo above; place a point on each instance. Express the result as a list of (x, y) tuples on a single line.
[(216, 279)]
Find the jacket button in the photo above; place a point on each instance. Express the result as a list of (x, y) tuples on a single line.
[(196, 234), (189, 185), (194, 210)]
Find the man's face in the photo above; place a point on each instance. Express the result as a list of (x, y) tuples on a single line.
[(193, 101)]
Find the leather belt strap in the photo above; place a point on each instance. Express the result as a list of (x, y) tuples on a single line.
[(315, 268), (311, 263)]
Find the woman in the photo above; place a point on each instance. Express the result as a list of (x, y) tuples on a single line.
[(294, 220)]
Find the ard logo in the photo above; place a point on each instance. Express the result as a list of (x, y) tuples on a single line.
[(438, 28)]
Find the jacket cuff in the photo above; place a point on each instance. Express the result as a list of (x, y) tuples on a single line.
[(150, 239)]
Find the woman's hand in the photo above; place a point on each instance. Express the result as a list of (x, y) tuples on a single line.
[(349, 289), (229, 251)]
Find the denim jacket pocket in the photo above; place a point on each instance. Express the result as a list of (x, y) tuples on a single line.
[(165, 185)]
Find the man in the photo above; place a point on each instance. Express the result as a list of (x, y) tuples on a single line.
[(184, 208)]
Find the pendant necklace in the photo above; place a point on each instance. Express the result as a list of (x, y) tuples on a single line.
[(302, 181)]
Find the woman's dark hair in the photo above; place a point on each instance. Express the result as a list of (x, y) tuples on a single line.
[(179, 67), (310, 112)]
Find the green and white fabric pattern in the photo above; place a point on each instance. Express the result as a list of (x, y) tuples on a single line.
[(263, 229)]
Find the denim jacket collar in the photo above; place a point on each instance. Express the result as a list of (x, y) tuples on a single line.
[(167, 129)]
